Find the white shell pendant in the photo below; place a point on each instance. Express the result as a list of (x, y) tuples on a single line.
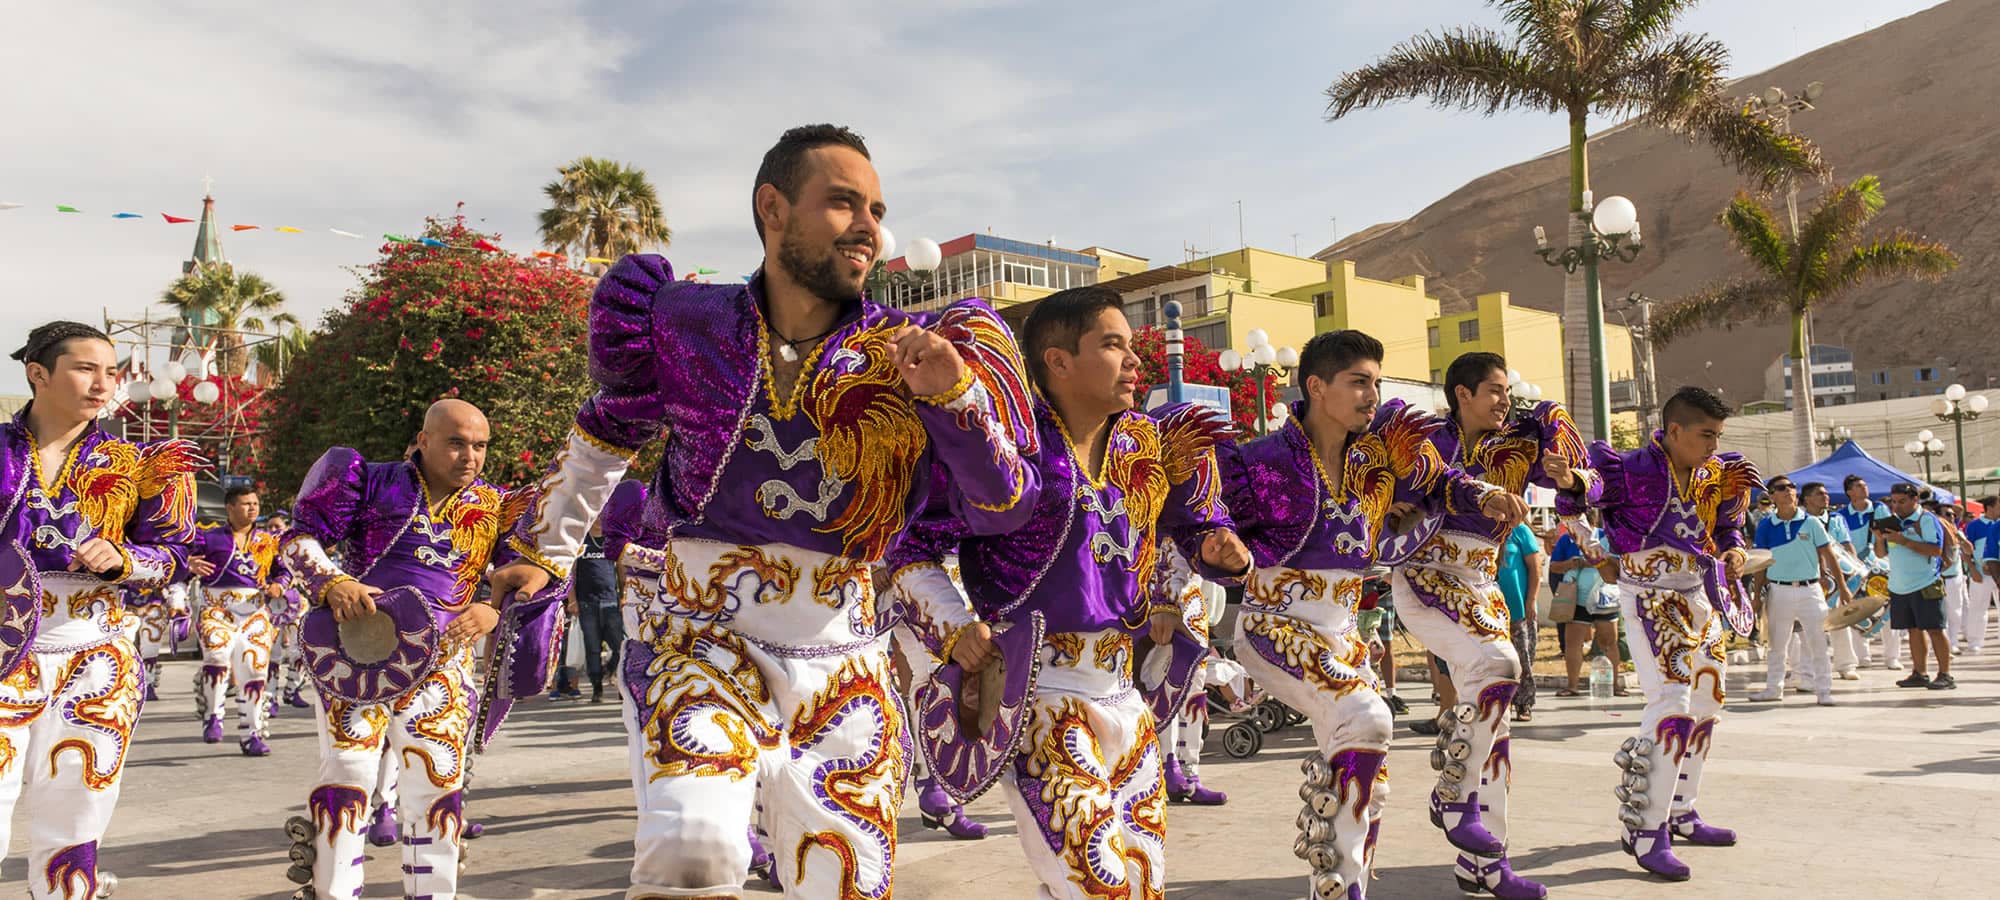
[(786, 353)]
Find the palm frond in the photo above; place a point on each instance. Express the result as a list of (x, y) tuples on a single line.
[(1542, 30), (1753, 144), (1464, 68), (1650, 21), (600, 207), (1667, 83), (1724, 304), (1833, 224), (1754, 229), (1898, 255)]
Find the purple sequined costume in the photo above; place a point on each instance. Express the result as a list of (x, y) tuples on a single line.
[(767, 663), (1446, 594), (70, 689), (1085, 563), (1313, 539), (393, 534), (1674, 595), (235, 623)]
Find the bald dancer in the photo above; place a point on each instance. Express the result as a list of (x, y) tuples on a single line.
[(431, 524)]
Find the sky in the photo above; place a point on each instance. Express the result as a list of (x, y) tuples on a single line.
[(1135, 126)]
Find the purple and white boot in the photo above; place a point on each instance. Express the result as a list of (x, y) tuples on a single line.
[(293, 699), (382, 830), (254, 745), (1469, 835), (211, 733), (937, 811), (1689, 827), (1185, 788), (474, 829), (1496, 877), (762, 862), (1654, 849)]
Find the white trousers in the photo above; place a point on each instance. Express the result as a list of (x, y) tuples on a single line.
[(66, 718), (1979, 613), (760, 674), (1954, 609), (1296, 636), (1677, 651), (236, 637), (1088, 755), (426, 733), (1804, 605)]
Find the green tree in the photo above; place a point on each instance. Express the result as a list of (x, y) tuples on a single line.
[(231, 302), (1578, 58), (501, 332), (602, 208), (1832, 255), (273, 356)]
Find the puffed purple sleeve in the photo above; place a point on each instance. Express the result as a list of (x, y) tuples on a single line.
[(1195, 502), (626, 412), (162, 524), (982, 427), (329, 502), (1601, 485)]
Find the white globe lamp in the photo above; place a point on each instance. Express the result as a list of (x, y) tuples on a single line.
[(1288, 357), (1257, 338), (1229, 360), (924, 255), (1615, 215), (207, 392), (1955, 393)]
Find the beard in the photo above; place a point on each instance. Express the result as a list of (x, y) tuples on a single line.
[(819, 274)]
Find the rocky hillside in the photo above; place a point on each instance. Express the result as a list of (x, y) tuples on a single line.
[(1911, 101)]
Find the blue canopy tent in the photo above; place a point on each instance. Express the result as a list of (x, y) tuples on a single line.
[(1850, 459)]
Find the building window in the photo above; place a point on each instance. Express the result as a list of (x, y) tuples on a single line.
[(1435, 341), (1022, 273), (1926, 373), (1214, 335), (1323, 304), (1437, 375), (1878, 378), (1468, 331), (1140, 313)]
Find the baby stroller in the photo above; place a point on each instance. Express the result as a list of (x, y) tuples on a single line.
[(1247, 723)]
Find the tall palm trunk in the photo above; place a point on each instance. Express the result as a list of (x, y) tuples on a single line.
[(1802, 397), (1575, 312)]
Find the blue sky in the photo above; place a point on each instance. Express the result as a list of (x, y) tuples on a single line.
[(1136, 126)]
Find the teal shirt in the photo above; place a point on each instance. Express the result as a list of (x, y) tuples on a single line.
[(1794, 544), (1513, 574), (1910, 571)]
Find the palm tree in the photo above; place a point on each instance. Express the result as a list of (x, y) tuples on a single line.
[(274, 355), (230, 303), (602, 208), (1830, 256), (1573, 58)]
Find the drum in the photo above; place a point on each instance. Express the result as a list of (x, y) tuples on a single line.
[(21, 615), (378, 657), (1755, 561), (968, 728)]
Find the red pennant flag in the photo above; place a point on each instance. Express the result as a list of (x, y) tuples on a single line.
[(242, 228), (544, 254), (175, 220), (486, 245)]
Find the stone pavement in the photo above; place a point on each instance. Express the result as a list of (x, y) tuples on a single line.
[(1923, 767)]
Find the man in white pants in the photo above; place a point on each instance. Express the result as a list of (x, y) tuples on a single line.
[(1859, 512), (1961, 576), (1801, 551), (1850, 646), (1982, 532)]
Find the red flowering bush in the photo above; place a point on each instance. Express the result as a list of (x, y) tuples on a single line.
[(502, 332), (1198, 366)]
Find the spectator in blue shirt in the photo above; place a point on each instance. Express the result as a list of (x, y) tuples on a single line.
[(1913, 542), (1850, 645), (1859, 514), (1519, 575), (1801, 554), (1983, 531), (1596, 606)]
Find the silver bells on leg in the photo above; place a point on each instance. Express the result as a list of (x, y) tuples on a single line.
[(1316, 821), (1634, 757), (1453, 752)]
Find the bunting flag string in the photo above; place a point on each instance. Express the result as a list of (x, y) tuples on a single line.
[(482, 244)]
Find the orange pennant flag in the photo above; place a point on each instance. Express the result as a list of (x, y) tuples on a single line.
[(242, 228)]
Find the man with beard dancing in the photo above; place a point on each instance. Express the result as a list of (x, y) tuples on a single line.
[(801, 423)]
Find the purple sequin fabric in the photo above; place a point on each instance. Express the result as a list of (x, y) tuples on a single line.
[(1286, 514), (1074, 561), (51, 520), (369, 510), (1635, 491), (682, 361), (1510, 458)]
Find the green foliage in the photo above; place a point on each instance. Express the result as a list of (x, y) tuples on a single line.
[(504, 333), (602, 208)]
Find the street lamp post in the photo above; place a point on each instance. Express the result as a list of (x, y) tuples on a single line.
[(1832, 439), (1927, 447), (1260, 361), (1614, 234), (1957, 408), (1175, 349), (1525, 394)]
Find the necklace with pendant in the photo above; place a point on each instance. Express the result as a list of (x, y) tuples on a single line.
[(788, 349)]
